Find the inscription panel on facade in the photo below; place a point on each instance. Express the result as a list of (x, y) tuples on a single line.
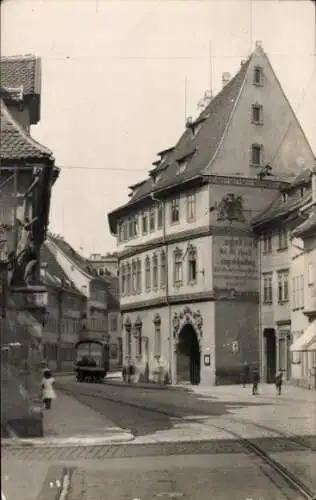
[(235, 263)]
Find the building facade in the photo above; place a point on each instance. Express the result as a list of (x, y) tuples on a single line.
[(188, 256), (27, 173), (303, 348), (66, 310), (105, 264)]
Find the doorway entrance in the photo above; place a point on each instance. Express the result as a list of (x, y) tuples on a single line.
[(270, 354), (188, 356)]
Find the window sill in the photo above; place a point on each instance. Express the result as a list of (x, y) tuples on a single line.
[(267, 302), (178, 284), (193, 219), (258, 84), (192, 282), (269, 252), (256, 165), (281, 302), (174, 223), (256, 123), (282, 249)]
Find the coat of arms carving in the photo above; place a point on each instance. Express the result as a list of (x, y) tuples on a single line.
[(231, 208)]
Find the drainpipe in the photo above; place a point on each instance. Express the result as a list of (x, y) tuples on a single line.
[(59, 330), (171, 364)]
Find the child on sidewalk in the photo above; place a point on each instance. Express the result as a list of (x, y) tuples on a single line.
[(48, 393)]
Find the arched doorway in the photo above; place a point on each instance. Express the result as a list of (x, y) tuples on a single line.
[(188, 356)]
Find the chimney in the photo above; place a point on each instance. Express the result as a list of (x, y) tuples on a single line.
[(225, 78)]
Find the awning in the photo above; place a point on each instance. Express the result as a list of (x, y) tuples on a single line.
[(307, 341)]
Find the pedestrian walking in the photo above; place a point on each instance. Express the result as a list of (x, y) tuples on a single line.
[(48, 393), (255, 381), (245, 374), (279, 382)]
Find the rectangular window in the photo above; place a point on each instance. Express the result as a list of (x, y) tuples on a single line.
[(128, 278), (145, 222), (175, 210), (147, 274), (191, 207), (152, 221), (192, 263), (139, 277), (163, 269), (257, 113), (178, 268), (134, 277), (258, 75), (283, 286), (129, 344), (283, 238), (267, 243), (267, 288), (125, 231), (155, 272), (256, 155), (310, 274), (160, 216), (131, 227), (294, 301)]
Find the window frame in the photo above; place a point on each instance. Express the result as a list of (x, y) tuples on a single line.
[(259, 150), (147, 274), (267, 243), (152, 219), (178, 267), (175, 208), (283, 286), (191, 204), (192, 257), (163, 269), (254, 109), (155, 278), (258, 70), (145, 225), (283, 238), (267, 295)]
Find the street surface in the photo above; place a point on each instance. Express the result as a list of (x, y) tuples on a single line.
[(188, 444)]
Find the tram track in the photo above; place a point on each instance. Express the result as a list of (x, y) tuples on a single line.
[(296, 483)]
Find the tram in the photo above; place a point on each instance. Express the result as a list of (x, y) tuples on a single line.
[(92, 360)]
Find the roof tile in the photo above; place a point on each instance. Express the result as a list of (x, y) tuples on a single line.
[(17, 144), (21, 70)]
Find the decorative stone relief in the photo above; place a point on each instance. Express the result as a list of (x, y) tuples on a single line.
[(187, 316)]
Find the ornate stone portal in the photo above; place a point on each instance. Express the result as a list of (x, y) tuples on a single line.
[(187, 316)]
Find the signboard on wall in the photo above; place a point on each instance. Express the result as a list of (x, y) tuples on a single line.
[(235, 263)]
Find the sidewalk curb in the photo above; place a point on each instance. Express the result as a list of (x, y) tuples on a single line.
[(136, 385), (72, 441)]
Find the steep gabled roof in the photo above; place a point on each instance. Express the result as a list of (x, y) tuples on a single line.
[(74, 256), (17, 145), (201, 148), (55, 273), (20, 70), (307, 227)]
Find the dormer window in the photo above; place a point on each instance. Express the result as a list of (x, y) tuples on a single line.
[(181, 168), (258, 75), (257, 155)]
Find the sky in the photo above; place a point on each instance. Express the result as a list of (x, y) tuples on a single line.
[(113, 85)]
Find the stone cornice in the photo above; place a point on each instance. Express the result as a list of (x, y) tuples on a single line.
[(246, 181), (211, 296), (187, 235)]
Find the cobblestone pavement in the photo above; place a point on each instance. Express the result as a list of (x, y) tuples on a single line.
[(187, 477)]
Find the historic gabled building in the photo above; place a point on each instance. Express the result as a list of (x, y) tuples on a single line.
[(189, 266), (27, 172)]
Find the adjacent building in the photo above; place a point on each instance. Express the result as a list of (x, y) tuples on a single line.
[(65, 314), (27, 173), (105, 264), (282, 275), (189, 262)]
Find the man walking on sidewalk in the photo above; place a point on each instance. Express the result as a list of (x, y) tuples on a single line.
[(279, 382), (255, 381)]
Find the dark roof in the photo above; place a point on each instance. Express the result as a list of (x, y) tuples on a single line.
[(55, 274), (279, 207), (199, 149), (20, 70), (17, 145), (308, 226)]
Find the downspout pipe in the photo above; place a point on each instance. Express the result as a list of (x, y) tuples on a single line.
[(171, 374)]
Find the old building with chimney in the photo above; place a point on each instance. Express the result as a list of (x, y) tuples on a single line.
[(189, 262)]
